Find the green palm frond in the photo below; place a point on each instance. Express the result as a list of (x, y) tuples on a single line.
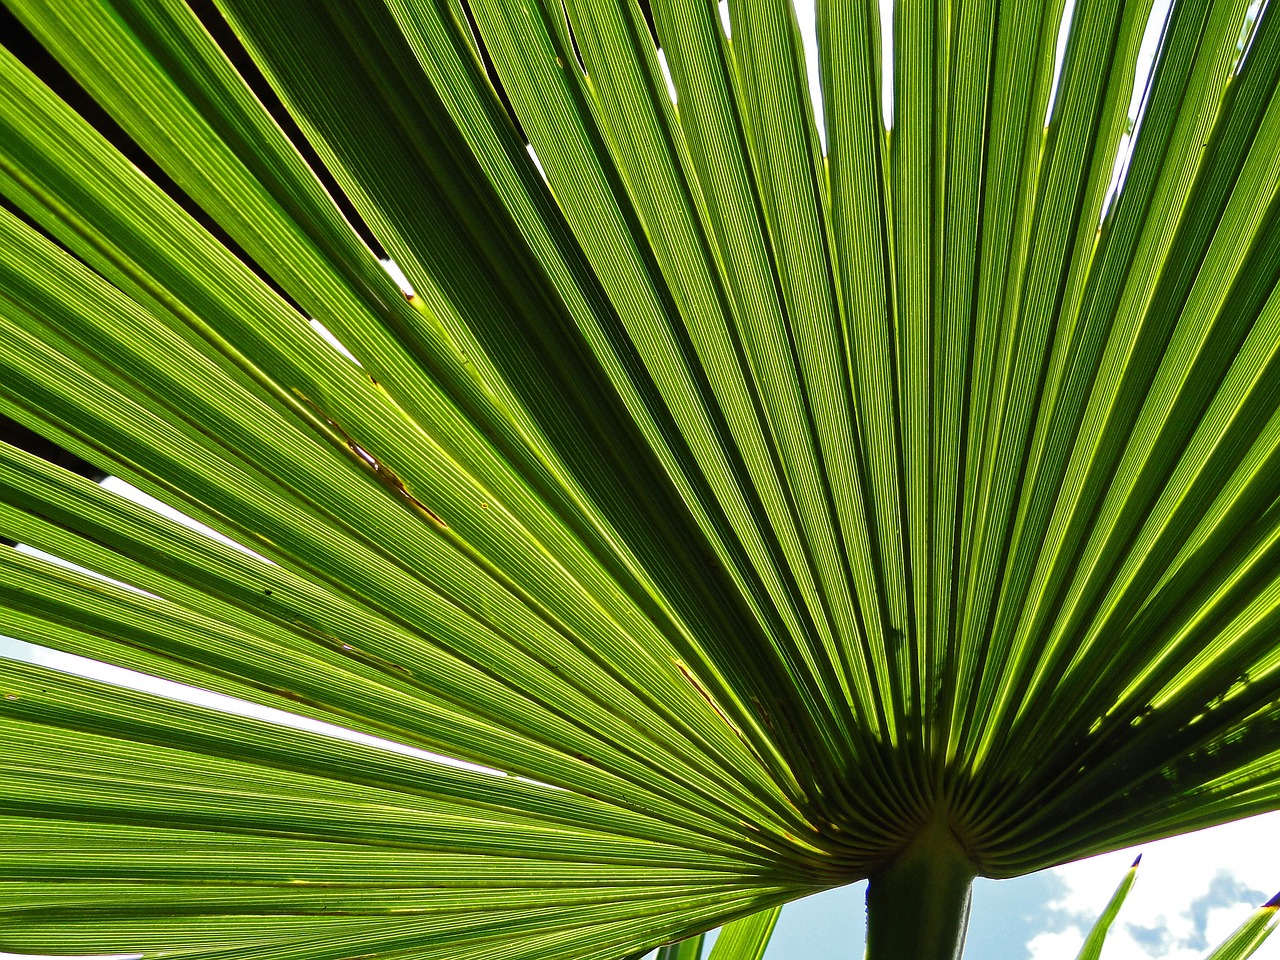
[(752, 508)]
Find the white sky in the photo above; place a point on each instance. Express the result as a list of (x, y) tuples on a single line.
[(1191, 892)]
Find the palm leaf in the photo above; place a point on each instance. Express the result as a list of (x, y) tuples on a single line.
[(751, 516)]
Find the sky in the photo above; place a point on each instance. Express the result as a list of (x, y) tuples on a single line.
[(1191, 891)]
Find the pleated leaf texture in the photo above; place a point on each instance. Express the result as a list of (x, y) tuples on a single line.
[(743, 504)]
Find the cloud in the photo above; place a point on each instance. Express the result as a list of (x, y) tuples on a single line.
[(1192, 891), (1155, 940), (1224, 891)]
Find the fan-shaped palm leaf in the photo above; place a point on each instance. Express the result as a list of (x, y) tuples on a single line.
[(762, 519)]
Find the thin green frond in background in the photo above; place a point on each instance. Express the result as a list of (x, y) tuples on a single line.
[(747, 938), (690, 949), (1092, 948), (1246, 940)]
